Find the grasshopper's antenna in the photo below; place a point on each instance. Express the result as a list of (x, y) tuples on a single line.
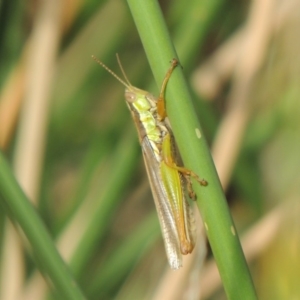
[(122, 70), (127, 84)]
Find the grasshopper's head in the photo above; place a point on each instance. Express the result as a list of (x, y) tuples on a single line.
[(133, 94)]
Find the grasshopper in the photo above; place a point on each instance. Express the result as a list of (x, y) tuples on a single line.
[(165, 176)]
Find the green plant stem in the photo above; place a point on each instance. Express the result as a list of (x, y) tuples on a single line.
[(195, 152), (21, 211)]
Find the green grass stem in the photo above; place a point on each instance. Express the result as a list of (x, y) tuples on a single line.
[(23, 213), (212, 203)]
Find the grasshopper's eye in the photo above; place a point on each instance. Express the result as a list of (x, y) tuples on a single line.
[(130, 96)]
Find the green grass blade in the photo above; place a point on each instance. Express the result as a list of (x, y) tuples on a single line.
[(195, 152), (21, 211)]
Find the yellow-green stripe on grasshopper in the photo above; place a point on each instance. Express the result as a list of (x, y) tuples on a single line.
[(165, 176)]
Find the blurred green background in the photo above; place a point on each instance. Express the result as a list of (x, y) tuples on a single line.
[(69, 138)]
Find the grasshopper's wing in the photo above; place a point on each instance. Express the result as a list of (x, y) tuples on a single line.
[(163, 207)]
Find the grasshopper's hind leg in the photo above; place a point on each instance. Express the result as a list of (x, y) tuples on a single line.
[(169, 159), (187, 174), (161, 105)]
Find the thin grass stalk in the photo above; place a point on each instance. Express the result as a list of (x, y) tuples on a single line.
[(219, 226), (21, 211)]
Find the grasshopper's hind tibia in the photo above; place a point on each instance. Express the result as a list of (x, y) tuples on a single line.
[(189, 173)]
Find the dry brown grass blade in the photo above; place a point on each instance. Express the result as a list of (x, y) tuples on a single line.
[(10, 102), (208, 80), (34, 117), (227, 144), (40, 60), (12, 267)]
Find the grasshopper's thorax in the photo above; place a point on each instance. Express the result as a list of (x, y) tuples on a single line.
[(144, 105)]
